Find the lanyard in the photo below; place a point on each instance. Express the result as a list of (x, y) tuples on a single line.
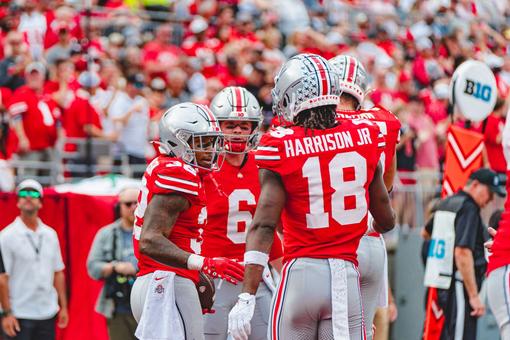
[(37, 247)]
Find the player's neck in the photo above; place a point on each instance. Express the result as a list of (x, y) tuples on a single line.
[(346, 106), (235, 159)]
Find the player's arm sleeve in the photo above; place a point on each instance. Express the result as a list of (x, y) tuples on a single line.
[(269, 154), (466, 226), (176, 180)]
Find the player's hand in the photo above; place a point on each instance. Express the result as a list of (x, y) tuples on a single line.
[(223, 268), (240, 316), (477, 306), (10, 325), (488, 245)]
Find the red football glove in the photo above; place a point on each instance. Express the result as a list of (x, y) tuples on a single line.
[(223, 268)]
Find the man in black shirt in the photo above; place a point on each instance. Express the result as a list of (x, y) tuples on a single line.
[(461, 302)]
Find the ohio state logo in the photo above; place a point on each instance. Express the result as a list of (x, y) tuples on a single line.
[(159, 289)]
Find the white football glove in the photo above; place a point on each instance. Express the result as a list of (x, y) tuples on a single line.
[(240, 316)]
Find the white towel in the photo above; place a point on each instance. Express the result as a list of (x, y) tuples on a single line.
[(160, 318), (339, 303), (383, 294), (267, 277)]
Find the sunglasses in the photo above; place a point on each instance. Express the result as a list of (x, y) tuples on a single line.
[(29, 193), (129, 204)]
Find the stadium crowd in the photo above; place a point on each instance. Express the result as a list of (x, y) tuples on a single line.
[(110, 71)]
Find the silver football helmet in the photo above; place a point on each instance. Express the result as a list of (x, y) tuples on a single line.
[(237, 104), (305, 81), (184, 130), (352, 76)]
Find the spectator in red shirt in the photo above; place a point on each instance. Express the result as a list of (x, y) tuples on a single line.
[(160, 55), (493, 134), (81, 119), (35, 119), (200, 46), (7, 142)]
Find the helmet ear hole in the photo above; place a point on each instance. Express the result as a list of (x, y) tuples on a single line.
[(285, 102)]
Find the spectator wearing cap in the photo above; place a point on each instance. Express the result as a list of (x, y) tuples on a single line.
[(33, 297), (12, 67), (461, 302), (81, 118), (493, 136), (35, 118), (200, 46), (130, 113)]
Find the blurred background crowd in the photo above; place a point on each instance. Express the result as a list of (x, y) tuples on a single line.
[(82, 85)]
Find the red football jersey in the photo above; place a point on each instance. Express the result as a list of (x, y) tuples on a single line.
[(501, 248), (39, 114), (168, 175), (232, 194), (388, 124), (326, 175)]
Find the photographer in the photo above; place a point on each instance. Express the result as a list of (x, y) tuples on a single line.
[(112, 259)]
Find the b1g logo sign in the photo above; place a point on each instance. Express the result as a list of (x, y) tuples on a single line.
[(473, 90), (478, 90), (437, 248)]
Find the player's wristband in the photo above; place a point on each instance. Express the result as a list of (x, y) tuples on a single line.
[(195, 262), (256, 257)]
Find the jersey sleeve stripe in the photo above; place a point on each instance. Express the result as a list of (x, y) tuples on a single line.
[(263, 157), (171, 187), (267, 148), (178, 180), (18, 108)]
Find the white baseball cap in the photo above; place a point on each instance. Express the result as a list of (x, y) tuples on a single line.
[(35, 66), (30, 184), (198, 25)]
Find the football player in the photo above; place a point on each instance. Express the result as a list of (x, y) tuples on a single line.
[(372, 250), (324, 176), (232, 195), (168, 219)]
